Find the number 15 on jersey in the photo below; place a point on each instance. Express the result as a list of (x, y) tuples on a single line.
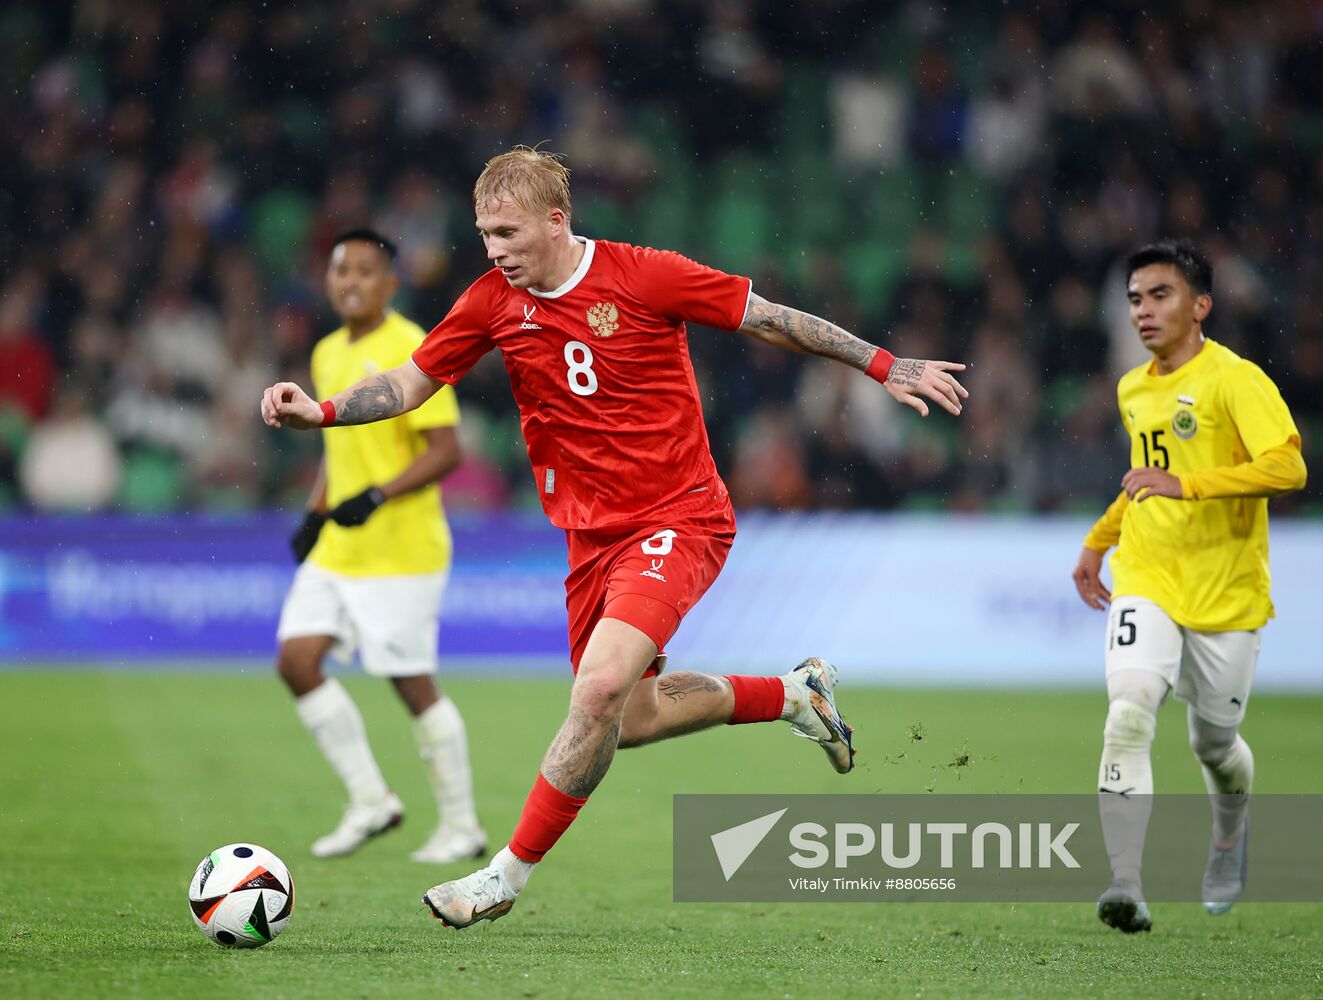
[(1160, 456)]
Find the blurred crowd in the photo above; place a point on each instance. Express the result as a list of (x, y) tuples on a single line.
[(954, 180)]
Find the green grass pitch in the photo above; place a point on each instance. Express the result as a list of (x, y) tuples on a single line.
[(113, 785)]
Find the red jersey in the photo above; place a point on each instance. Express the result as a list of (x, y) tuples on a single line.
[(601, 372)]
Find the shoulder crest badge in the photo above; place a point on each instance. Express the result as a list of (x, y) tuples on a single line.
[(603, 319)]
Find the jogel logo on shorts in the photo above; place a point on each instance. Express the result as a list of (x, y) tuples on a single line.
[(1184, 424)]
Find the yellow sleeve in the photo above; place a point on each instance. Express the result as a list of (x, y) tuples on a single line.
[(1106, 531), (1257, 409), (442, 410), (1264, 423), (1277, 470)]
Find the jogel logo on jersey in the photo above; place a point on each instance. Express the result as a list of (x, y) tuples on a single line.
[(602, 319), (1184, 424)]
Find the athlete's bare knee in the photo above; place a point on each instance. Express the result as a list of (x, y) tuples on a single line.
[(600, 695), (417, 691), (299, 664)]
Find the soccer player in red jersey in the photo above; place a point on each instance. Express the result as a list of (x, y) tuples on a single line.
[(593, 336)]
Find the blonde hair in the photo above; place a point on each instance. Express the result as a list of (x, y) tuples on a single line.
[(534, 180)]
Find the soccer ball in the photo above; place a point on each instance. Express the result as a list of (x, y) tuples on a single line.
[(241, 896)]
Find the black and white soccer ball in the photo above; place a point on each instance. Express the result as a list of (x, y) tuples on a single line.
[(241, 896)]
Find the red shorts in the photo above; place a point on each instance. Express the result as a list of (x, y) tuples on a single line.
[(648, 577)]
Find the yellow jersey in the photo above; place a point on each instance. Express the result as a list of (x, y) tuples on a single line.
[(1203, 561), (408, 533)]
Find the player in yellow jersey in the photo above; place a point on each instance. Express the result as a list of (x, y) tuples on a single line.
[(1210, 441), (375, 553)]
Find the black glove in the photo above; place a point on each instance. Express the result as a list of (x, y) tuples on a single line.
[(302, 541), (357, 509)]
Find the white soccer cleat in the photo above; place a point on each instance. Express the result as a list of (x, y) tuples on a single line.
[(359, 825), (810, 693), (484, 895), (1122, 906), (447, 845), (1226, 874)]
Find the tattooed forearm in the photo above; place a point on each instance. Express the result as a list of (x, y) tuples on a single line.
[(801, 331), (580, 754), (906, 372), (679, 686), (375, 398)]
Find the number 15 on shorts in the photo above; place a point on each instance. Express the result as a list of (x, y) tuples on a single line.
[(1123, 629)]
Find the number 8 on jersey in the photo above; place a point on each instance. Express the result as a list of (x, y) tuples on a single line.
[(580, 376)]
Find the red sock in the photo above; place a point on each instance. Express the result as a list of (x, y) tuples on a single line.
[(757, 699), (548, 812)]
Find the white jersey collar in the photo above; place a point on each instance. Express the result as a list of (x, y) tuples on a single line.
[(576, 277)]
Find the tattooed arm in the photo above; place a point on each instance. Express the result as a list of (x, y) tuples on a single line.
[(908, 379), (799, 331), (377, 397), (385, 395)]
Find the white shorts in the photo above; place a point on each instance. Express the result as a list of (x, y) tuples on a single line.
[(391, 621), (1212, 671)]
